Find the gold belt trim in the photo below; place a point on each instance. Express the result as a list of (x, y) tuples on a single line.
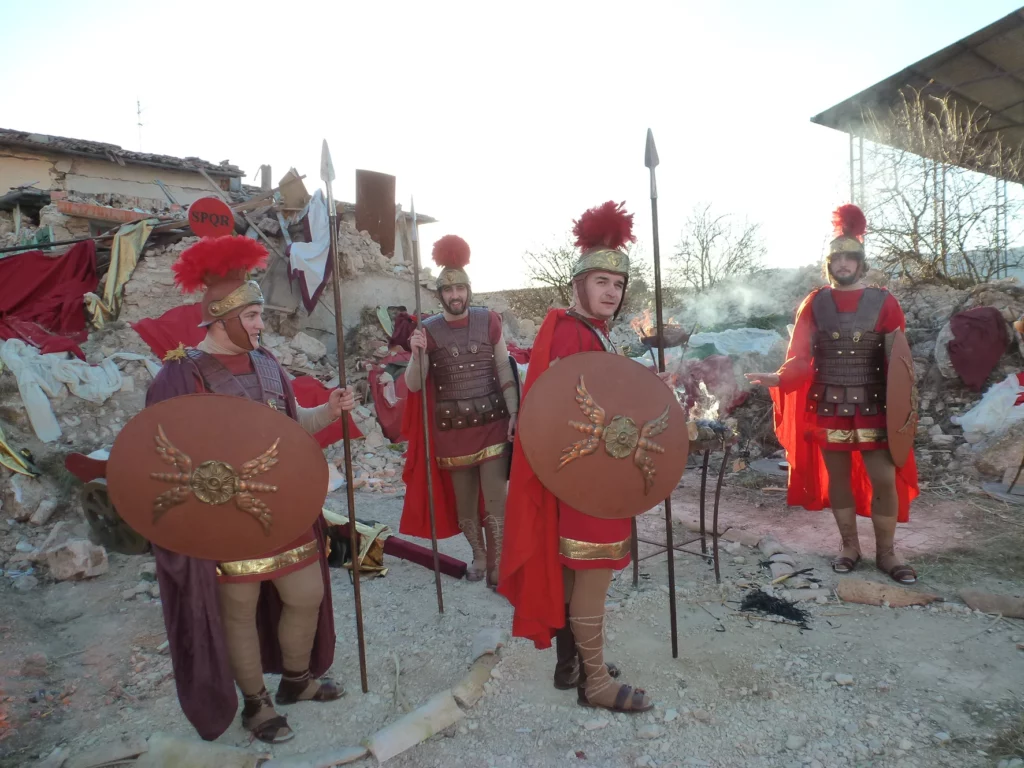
[(586, 550), (268, 564), (454, 462), (854, 436)]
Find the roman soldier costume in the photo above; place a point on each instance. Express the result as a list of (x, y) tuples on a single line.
[(472, 395), (231, 622), (831, 405), (558, 561)]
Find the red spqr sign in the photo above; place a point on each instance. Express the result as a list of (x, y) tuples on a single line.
[(211, 217)]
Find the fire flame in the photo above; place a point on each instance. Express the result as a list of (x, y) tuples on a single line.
[(705, 407), (644, 325)]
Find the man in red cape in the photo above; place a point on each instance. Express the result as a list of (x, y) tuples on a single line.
[(557, 563), (829, 400), (473, 402), (231, 622)]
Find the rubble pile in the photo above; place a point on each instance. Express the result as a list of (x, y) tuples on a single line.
[(376, 463), (360, 253), (151, 291), (7, 226)]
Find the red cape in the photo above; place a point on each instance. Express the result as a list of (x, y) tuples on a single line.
[(808, 479), (531, 575), (416, 509)]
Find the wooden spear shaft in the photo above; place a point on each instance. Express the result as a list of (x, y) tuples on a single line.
[(345, 436), (428, 458), (651, 161)]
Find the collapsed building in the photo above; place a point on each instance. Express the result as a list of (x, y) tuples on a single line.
[(70, 385)]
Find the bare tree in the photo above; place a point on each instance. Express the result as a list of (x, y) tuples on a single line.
[(553, 267), (713, 247), (934, 202)]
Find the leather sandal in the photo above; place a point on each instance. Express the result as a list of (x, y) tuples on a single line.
[(289, 691), (901, 574), (475, 574), (274, 730), (844, 564), (567, 676), (626, 692)]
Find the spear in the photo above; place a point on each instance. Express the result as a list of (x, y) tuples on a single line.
[(651, 161), (327, 174), (423, 397)]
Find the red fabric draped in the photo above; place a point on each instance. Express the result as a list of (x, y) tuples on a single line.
[(175, 326), (309, 393), (531, 575), (416, 509), (41, 297), (795, 427)]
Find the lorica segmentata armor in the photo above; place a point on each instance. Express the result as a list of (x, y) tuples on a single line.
[(466, 389), (849, 357)]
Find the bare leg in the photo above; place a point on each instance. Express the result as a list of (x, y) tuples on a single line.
[(884, 509), (839, 465), (466, 484), (586, 614)]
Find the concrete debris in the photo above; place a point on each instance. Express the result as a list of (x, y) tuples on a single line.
[(25, 494), (77, 559), (438, 713), (306, 344), (1004, 605), (854, 590), (43, 512)]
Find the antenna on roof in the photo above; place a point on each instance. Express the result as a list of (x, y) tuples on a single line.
[(138, 117)]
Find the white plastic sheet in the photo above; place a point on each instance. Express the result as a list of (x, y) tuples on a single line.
[(996, 411), (42, 377), (736, 341)]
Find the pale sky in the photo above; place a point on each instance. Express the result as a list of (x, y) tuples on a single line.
[(506, 121)]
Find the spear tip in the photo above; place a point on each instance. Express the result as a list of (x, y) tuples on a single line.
[(326, 166), (651, 151)]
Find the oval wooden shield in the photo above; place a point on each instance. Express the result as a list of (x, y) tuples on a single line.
[(604, 434), (216, 477), (901, 400)]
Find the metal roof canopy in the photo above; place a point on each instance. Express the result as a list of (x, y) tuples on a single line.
[(982, 72)]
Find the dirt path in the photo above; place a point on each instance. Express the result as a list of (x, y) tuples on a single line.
[(930, 686)]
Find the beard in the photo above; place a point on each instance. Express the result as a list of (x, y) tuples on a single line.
[(459, 310), (844, 280)]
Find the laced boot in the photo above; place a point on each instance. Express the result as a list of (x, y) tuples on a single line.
[(473, 531)]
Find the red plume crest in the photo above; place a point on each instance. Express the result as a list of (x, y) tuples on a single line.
[(606, 226), (848, 220), (214, 257), (451, 252)]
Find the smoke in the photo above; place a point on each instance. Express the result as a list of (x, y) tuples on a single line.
[(738, 301)]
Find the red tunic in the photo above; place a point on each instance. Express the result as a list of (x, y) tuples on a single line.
[(304, 547), (837, 433), (478, 444), (804, 434), (536, 524), (472, 445)]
